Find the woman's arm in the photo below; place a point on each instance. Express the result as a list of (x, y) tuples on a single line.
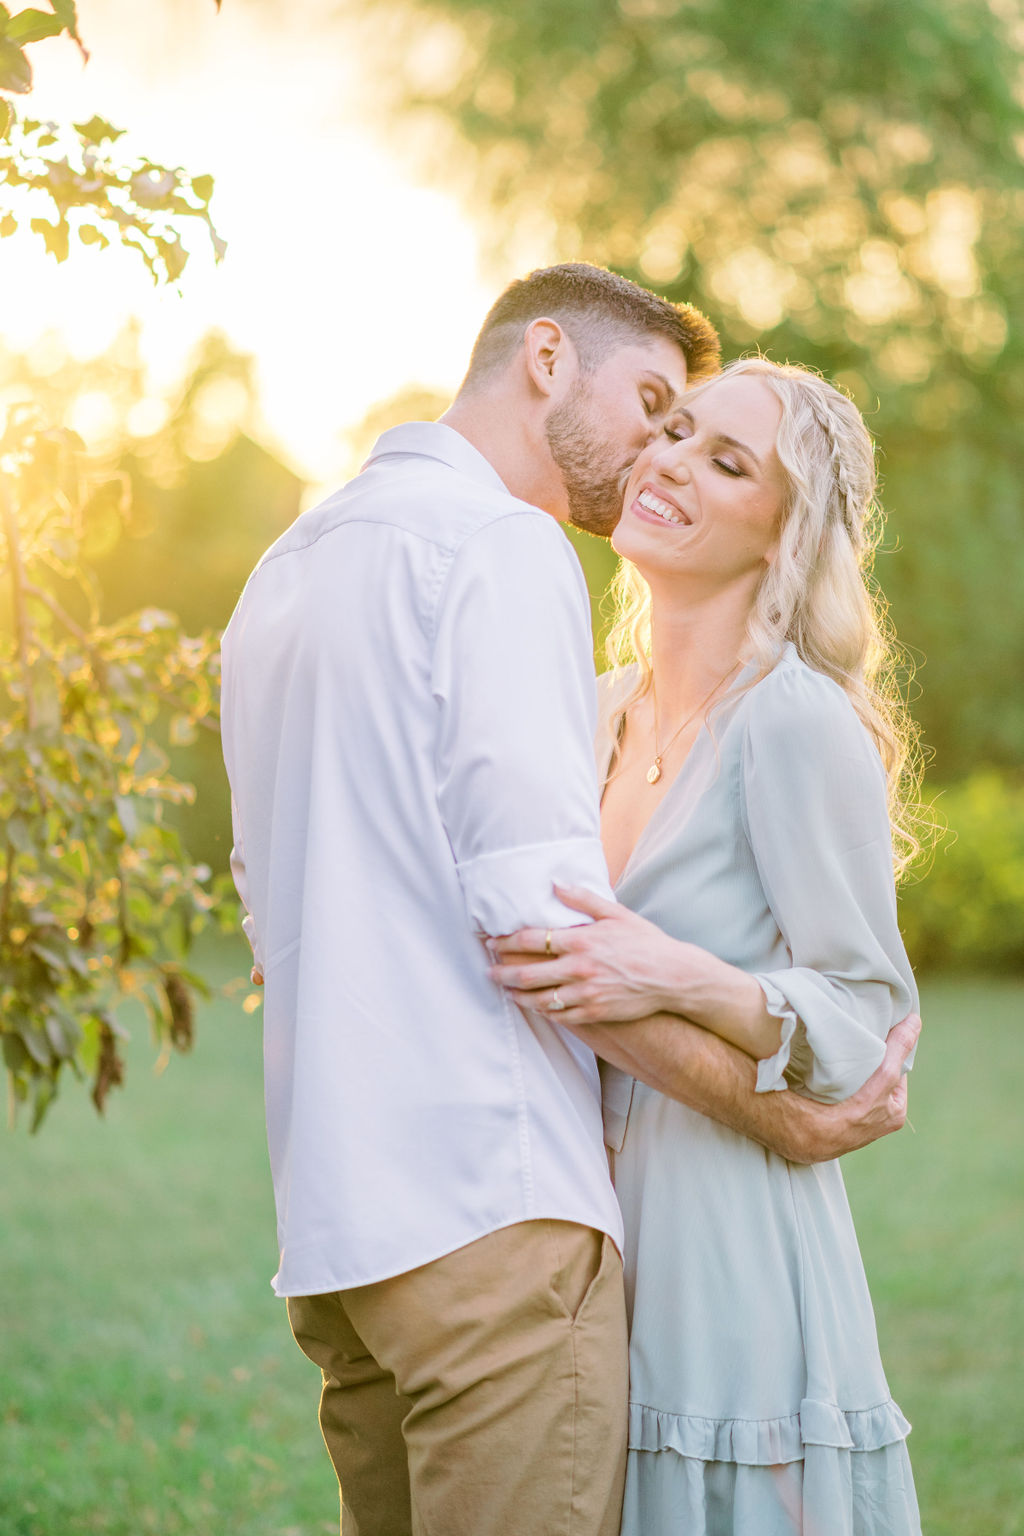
[(689, 1063), (814, 807), (815, 815), (622, 967)]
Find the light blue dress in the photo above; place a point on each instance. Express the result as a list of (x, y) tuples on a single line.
[(758, 1404)]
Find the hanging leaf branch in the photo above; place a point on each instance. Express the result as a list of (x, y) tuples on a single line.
[(99, 901)]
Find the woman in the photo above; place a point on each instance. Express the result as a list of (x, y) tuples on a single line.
[(753, 775)]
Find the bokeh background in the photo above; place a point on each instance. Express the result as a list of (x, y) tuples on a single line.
[(837, 182)]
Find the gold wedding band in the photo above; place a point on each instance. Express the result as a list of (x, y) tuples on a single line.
[(547, 943)]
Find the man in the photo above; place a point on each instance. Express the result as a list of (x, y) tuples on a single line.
[(408, 709)]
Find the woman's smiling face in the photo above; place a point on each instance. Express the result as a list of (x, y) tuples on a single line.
[(705, 498)]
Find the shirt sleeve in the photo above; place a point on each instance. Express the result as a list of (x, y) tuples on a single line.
[(817, 821), (241, 884), (513, 681)]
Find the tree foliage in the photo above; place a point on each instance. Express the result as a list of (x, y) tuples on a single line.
[(70, 180), (98, 898), (840, 184)]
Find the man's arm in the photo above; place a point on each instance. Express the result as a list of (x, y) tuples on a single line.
[(242, 887), (708, 1074), (512, 678)]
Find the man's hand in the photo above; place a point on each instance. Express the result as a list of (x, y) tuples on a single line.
[(690, 1064), (877, 1109)]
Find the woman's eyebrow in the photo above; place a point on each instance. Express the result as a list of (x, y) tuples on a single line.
[(722, 437), (734, 442)]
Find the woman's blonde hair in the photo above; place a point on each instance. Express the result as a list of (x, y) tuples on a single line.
[(817, 591)]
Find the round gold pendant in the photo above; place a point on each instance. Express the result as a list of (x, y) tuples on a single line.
[(654, 773)]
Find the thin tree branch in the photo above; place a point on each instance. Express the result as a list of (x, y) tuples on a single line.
[(59, 613), (22, 627)]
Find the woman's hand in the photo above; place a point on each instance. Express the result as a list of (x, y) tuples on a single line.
[(618, 968)]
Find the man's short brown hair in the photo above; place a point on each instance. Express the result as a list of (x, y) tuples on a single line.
[(599, 311)]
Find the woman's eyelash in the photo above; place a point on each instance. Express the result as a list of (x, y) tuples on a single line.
[(679, 431)]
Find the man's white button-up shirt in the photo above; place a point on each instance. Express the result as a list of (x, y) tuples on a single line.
[(408, 710)]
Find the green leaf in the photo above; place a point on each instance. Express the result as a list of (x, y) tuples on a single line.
[(32, 26), (45, 1093), (16, 1057), (98, 131), (66, 11), (49, 957), (55, 238), (6, 118), (175, 257), (127, 815), (202, 186), (36, 1044), (63, 1034), (18, 834), (68, 15), (15, 69)]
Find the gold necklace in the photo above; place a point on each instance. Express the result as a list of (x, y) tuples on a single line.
[(654, 771)]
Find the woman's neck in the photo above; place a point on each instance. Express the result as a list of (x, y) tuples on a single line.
[(693, 647)]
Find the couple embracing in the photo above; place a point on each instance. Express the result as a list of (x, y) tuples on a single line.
[(464, 1026)]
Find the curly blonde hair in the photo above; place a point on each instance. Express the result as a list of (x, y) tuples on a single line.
[(817, 592)]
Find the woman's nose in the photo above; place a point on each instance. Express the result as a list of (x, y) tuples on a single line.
[(672, 460)]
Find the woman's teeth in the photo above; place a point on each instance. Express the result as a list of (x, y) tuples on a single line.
[(652, 503)]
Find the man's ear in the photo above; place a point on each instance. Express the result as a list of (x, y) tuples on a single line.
[(548, 354)]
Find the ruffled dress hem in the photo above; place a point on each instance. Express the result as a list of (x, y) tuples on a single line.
[(766, 1442)]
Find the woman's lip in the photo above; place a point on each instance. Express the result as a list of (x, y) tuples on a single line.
[(646, 515)]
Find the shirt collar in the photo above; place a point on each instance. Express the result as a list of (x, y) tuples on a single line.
[(436, 440)]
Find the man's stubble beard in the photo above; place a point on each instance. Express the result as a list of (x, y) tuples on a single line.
[(593, 484)]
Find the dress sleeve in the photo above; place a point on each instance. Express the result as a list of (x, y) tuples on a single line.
[(513, 681), (815, 814)]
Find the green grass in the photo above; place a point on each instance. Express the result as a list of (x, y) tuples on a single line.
[(148, 1381), (940, 1214)]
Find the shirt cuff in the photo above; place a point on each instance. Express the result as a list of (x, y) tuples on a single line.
[(513, 888), (770, 1071)]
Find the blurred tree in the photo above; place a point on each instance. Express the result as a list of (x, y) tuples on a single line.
[(188, 500), (98, 899), (839, 184)]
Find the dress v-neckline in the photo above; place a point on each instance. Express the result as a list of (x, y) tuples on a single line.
[(666, 797)]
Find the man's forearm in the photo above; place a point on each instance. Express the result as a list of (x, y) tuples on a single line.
[(708, 1074)]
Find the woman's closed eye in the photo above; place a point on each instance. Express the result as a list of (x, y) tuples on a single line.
[(729, 467), (677, 428)]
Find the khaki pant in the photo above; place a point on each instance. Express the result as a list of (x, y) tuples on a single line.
[(481, 1395)]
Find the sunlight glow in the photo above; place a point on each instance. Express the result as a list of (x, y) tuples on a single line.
[(342, 278)]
